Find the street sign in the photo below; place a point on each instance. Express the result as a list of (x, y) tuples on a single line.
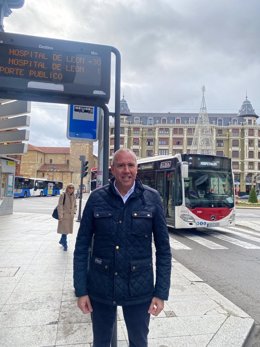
[(14, 135), (14, 108), (82, 123), (14, 122), (50, 70), (13, 148)]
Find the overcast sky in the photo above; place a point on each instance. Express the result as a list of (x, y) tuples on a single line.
[(169, 50)]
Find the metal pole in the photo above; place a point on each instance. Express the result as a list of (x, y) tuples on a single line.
[(117, 144), (82, 158), (117, 98), (105, 144)]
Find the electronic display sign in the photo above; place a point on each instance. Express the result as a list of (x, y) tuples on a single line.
[(44, 69)]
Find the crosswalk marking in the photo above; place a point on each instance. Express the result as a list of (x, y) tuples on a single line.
[(241, 234), (202, 240), (232, 240), (176, 245)]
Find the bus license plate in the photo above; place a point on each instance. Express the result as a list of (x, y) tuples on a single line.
[(213, 225)]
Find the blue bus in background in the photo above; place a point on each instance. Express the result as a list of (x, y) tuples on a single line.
[(25, 187)]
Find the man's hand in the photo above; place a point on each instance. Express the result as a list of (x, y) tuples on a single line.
[(156, 306), (84, 304)]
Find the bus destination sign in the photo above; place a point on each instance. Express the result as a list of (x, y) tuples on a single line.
[(43, 69)]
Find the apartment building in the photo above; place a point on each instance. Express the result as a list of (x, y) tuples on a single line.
[(236, 135)]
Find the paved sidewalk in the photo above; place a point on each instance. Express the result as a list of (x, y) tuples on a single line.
[(38, 307)]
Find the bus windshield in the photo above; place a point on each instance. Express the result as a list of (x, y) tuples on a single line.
[(209, 189)]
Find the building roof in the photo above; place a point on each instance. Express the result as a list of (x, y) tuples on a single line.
[(54, 168), (247, 110), (49, 150)]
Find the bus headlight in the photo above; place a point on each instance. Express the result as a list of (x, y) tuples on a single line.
[(187, 218)]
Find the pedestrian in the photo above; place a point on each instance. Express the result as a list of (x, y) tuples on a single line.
[(119, 224), (66, 209)]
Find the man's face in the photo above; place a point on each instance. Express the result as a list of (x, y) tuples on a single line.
[(124, 170)]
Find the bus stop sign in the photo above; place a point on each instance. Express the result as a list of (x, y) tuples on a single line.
[(82, 123)]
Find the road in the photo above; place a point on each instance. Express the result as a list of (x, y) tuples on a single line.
[(229, 261), (226, 259)]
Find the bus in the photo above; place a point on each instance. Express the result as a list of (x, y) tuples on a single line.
[(197, 190), (26, 186)]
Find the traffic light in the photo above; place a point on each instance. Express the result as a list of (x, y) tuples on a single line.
[(84, 168)]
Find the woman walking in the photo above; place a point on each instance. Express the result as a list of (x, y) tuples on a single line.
[(66, 209)]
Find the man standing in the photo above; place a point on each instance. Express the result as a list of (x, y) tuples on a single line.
[(119, 223)]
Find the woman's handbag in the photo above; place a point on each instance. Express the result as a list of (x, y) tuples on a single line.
[(55, 211)]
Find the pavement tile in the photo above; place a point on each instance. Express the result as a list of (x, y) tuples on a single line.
[(38, 306), (30, 336)]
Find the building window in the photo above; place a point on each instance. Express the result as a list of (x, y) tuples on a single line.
[(251, 132), (250, 154), (192, 120), (220, 121), (164, 131), (251, 165), (235, 132), (149, 153), (220, 132), (190, 131), (122, 131), (112, 131), (136, 151), (249, 122), (150, 131), (251, 143), (177, 141), (136, 120), (50, 161), (68, 162), (150, 121), (164, 121), (121, 141), (235, 154), (220, 143), (136, 141), (112, 141), (234, 121), (178, 121), (258, 166), (220, 153), (258, 155), (235, 165), (149, 142), (163, 152), (189, 141), (163, 142), (136, 131), (235, 143)]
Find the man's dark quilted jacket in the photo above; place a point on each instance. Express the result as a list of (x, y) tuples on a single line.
[(121, 266)]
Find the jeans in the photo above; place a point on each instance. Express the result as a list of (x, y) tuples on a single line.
[(136, 319)]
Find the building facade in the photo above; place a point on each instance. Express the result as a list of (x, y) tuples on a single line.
[(56, 163), (235, 135)]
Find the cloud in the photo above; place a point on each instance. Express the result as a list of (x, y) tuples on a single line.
[(169, 49)]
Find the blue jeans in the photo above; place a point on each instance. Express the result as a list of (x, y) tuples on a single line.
[(136, 319)]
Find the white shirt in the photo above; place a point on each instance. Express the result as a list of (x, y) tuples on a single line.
[(126, 196)]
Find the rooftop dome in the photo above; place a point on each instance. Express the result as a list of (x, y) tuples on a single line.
[(247, 110), (124, 109)]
